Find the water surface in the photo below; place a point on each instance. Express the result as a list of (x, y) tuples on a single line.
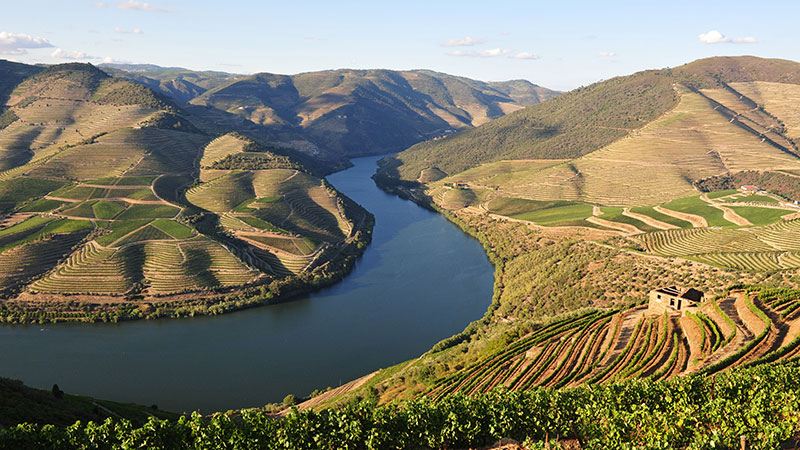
[(421, 280)]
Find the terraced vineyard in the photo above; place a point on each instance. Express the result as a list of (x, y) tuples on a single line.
[(94, 174), (277, 213), (769, 248), (602, 346)]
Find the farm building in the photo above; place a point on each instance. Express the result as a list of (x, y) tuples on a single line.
[(749, 188), (674, 299)]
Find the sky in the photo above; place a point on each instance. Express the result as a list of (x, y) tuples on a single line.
[(559, 45)]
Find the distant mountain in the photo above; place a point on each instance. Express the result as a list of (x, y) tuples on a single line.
[(346, 113), (590, 118), (176, 82)]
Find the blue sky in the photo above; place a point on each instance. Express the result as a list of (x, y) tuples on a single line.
[(560, 45)]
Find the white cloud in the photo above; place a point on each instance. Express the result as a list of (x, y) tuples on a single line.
[(60, 53), (715, 37), (712, 37), (607, 54), (133, 31), (463, 42), (98, 5), (526, 55), (134, 5), (110, 60), (16, 44), (482, 53)]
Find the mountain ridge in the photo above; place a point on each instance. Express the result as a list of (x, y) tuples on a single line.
[(586, 119), (338, 114)]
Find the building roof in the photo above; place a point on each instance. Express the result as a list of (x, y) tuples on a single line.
[(689, 294), (692, 294)]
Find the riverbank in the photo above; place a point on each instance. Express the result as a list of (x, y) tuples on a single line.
[(93, 309), (402, 297)]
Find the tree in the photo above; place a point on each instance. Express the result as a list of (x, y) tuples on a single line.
[(57, 392)]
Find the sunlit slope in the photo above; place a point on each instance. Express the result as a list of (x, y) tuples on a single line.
[(283, 216), (652, 165), (588, 119), (744, 329), (660, 161), (778, 99), (69, 105), (93, 192)]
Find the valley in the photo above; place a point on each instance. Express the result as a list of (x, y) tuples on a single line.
[(213, 193)]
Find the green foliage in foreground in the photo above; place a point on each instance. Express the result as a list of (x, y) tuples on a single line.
[(762, 404)]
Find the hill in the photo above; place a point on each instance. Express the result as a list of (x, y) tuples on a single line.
[(114, 197), (589, 200), (346, 113), (11, 74), (593, 117), (20, 403), (177, 83)]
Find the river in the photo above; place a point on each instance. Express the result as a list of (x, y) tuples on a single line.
[(420, 280)]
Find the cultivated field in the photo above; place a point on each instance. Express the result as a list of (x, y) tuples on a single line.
[(601, 347), (689, 142)]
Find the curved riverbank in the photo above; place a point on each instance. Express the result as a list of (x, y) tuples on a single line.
[(419, 282)]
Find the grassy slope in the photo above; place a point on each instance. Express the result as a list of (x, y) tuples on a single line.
[(585, 119), (19, 403)]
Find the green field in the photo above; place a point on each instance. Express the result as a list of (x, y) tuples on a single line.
[(718, 194), (760, 216), (83, 209), (175, 229), (561, 214), (261, 224), (17, 191), (750, 198), (107, 210), (694, 205), (37, 228), (149, 212), (650, 212), (41, 205), (119, 229), (79, 192), (148, 233), (614, 214)]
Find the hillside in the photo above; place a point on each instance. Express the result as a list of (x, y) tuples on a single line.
[(115, 198), (176, 82), (20, 403), (358, 112), (588, 201), (594, 117)]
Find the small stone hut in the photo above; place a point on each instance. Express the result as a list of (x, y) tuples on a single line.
[(674, 300)]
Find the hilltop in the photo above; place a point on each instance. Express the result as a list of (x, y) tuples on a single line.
[(338, 114), (115, 198), (590, 118), (358, 112)]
